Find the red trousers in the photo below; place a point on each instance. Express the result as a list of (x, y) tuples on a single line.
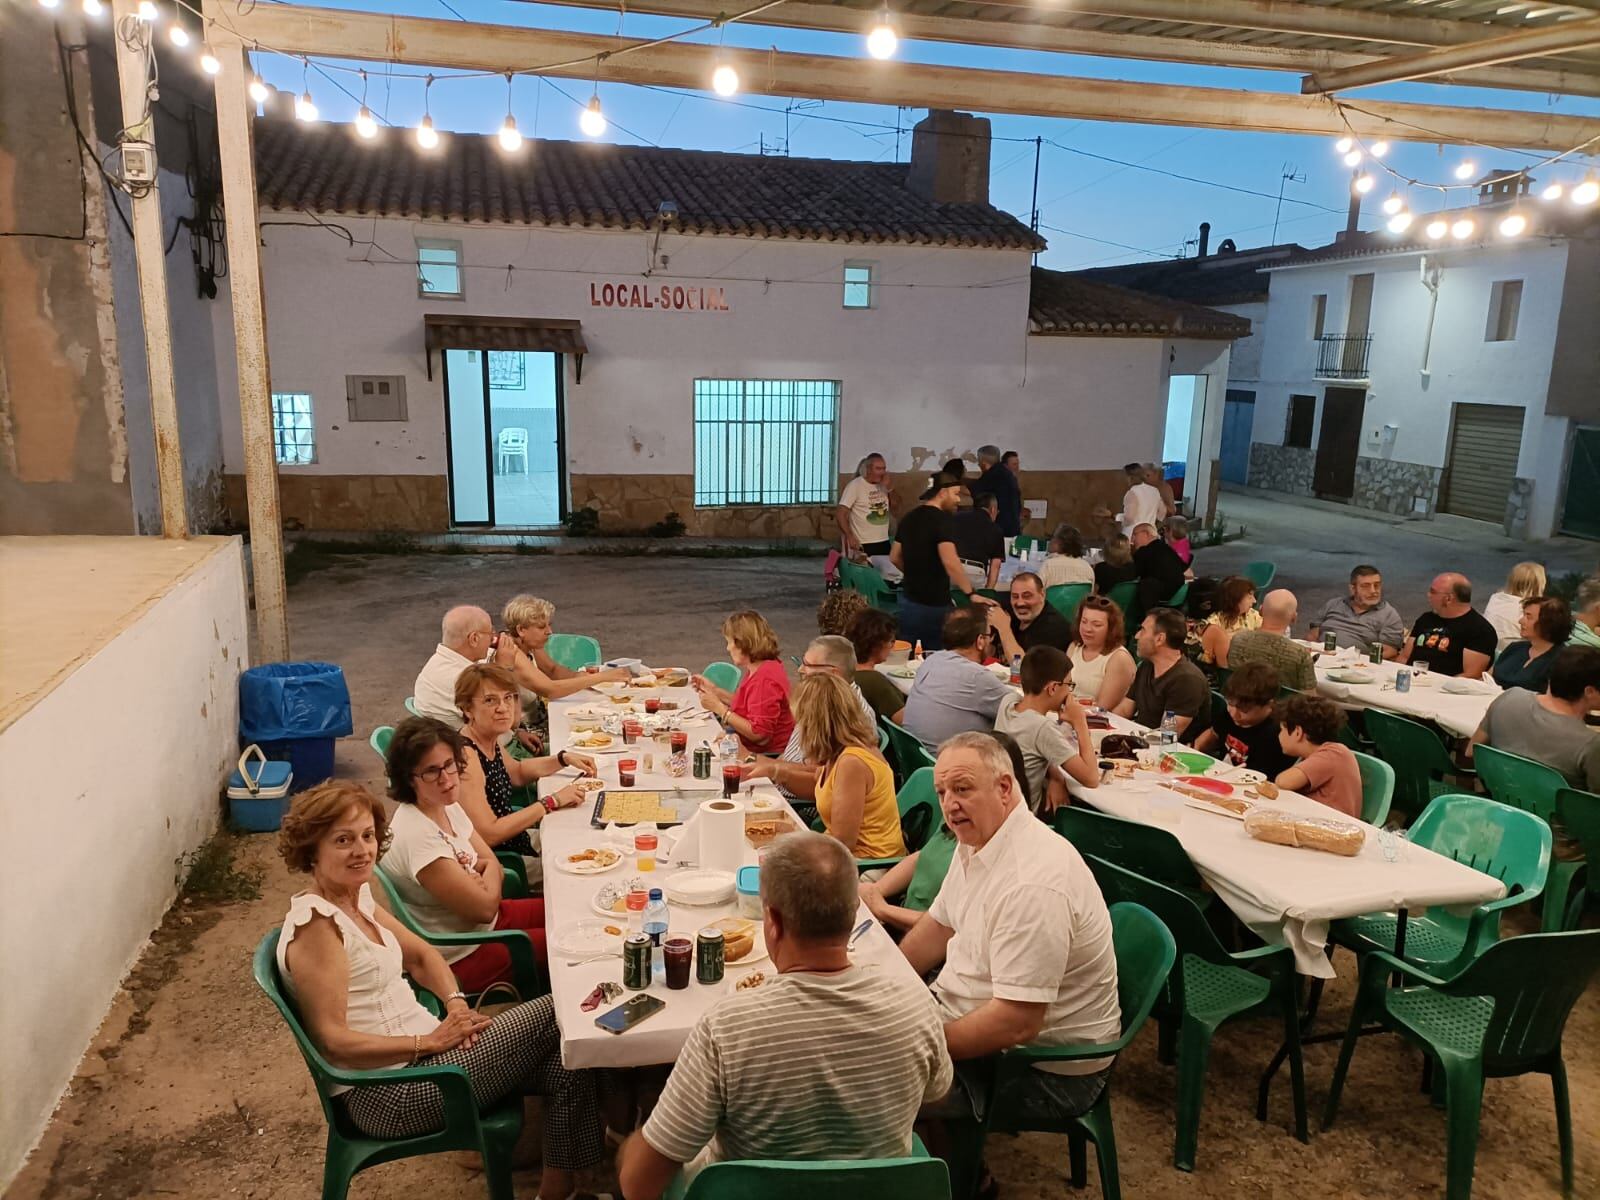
[(492, 963)]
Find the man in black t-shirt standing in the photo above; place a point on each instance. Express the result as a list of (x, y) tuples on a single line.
[(1452, 637), (925, 553), (980, 545)]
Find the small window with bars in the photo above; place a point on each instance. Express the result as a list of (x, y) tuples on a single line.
[(765, 441), (294, 430), (438, 269)]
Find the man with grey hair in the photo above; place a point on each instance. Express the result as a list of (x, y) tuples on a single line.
[(1586, 614), (1021, 931), (795, 777), (1452, 637), (1271, 643), (466, 636), (1001, 483), (825, 1059)]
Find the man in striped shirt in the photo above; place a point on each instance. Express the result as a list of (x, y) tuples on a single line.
[(826, 1060)]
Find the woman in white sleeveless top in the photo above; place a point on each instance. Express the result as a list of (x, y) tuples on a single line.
[(344, 961), (1102, 668)]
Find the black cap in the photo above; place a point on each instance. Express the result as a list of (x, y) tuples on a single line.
[(937, 482)]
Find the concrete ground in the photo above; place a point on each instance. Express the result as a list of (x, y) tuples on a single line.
[(194, 1088)]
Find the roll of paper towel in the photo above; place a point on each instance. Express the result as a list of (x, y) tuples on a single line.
[(721, 835)]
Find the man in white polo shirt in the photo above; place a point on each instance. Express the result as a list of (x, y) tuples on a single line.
[(466, 636), (1022, 931)]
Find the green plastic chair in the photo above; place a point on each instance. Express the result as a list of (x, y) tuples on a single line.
[(918, 1177), (1502, 1015), (574, 651), (1026, 541), (1377, 788), (411, 706), (1145, 953), (1261, 573), (724, 674), (1579, 815), (1066, 597), (1517, 781), (919, 816), (379, 741), (1177, 599), (525, 972), (1151, 851), (1419, 759), (871, 586), (491, 1134), (909, 754), (1125, 595), (1209, 987), (1511, 845)]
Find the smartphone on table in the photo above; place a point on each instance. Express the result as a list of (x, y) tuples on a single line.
[(629, 1013)]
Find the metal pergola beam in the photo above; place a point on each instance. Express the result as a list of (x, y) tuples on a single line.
[(295, 29), (1029, 33), (1528, 43)]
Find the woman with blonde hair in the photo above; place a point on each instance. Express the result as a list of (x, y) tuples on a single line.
[(527, 621), (758, 710), (1504, 609), (1234, 611), (1116, 566), (855, 785)]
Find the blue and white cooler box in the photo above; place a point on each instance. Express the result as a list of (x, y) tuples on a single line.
[(258, 791)]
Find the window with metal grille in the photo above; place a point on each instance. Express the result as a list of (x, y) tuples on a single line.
[(294, 430), (765, 441)]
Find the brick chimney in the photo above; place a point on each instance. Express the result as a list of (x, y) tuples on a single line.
[(950, 158)]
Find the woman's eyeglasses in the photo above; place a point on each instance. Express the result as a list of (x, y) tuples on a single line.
[(431, 775)]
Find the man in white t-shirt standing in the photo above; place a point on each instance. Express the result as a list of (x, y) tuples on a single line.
[(1141, 503), (826, 1059), (1023, 934), (865, 506)]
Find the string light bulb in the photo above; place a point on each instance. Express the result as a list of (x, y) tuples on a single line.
[(882, 40), (725, 80), (1344, 145), (1513, 225), (1393, 204), (93, 8), (1378, 149), (177, 34), (366, 123), (147, 10), (1364, 184), (1436, 229), (1553, 192), (510, 136), (1466, 170), (1353, 158), (1463, 229), (1400, 222), (305, 109), (591, 120), (427, 135), (1587, 192), (209, 62), (259, 91), (49, 3)]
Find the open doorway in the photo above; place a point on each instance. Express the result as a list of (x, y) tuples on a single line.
[(503, 427), (1180, 440)]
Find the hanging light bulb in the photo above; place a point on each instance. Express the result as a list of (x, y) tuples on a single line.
[(1364, 184), (882, 40), (366, 124), (1400, 222), (49, 3), (725, 80), (1436, 229), (1587, 192), (1463, 229), (147, 10), (1553, 192), (209, 62), (304, 109), (259, 91), (1353, 158), (427, 135), (592, 121), (1378, 149), (1344, 145), (178, 35), (93, 8), (1393, 204), (1466, 170), (1513, 225), (510, 136)]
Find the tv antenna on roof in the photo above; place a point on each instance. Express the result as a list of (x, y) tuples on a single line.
[(1290, 175)]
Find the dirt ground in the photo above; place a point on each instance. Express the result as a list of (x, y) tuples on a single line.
[(194, 1089)]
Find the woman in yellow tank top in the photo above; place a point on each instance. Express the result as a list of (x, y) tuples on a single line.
[(855, 786)]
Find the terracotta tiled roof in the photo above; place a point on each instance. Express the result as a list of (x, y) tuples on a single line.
[(324, 168), (1222, 277), (1066, 303)]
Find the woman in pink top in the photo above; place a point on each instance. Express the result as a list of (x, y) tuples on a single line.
[(759, 710), (1327, 770)]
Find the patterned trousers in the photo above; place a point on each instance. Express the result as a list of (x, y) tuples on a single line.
[(519, 1052)]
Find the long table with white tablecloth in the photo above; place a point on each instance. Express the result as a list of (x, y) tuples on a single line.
[(1458, 711)]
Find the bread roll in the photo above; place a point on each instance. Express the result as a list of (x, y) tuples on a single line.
[(1307, 833), (1268, 789), (738, 937)]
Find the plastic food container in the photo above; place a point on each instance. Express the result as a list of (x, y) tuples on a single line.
[(749, 887)]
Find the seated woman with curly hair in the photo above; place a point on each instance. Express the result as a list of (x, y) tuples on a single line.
[(344, 961)]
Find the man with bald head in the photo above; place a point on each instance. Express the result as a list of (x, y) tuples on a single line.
[(1270, 644), (465, 636), (1452, 637), (1161, 571)]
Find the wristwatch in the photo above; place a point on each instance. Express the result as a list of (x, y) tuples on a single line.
[(456, 996), (561, 757)]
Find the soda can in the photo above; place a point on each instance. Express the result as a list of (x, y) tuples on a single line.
[(702, 762), (708, 963), (636, 962), (1330, 642), (1375, 652), (1402, 680)]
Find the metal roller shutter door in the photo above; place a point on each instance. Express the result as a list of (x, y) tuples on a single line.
[(1485, 440)]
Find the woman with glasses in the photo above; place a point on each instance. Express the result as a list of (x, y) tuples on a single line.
[(444, 872), (488, 699)]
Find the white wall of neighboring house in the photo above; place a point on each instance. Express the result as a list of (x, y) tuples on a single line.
[(1244, 364), (1463, 367)]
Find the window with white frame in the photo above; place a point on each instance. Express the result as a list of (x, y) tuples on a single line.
[(765, 441), (438, 269), (294, 430), (858, 285), (1505, 306)]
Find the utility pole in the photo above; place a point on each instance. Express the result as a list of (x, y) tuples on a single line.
[(1038, 144), (1290, 175)]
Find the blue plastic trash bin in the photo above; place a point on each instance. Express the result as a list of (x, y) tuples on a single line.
[(294, 712)]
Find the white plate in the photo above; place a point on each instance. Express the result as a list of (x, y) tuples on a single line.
[(700, 887), (587, 867), (758, 953), (736, 972), (1352, 677), (905, 672), (587, 937), (591, 741), (621, 885), (1464, 687), (1232, 774)]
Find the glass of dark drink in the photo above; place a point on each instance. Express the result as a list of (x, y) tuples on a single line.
[(631, 729), (652, 705), (679, 954), (625, 771), (730, 780)]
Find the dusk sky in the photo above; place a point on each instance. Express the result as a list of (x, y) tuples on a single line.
[(1094, 212)]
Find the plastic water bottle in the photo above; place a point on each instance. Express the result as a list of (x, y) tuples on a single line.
[(728, 746), (916, 651), (656, 919), (1016, 669), (1169, 728)]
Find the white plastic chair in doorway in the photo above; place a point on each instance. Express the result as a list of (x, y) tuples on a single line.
[(513, 444)]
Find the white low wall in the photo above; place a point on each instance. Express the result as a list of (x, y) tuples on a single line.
[(104, 783)]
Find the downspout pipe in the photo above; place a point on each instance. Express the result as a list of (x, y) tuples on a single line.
[(1430, 280)]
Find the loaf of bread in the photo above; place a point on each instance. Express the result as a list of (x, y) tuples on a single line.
[(738, 937), (1307, 833)]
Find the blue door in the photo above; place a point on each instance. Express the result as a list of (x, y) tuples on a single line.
[(1238, 420)]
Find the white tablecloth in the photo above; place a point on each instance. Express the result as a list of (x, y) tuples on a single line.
[(568, 899), (1287, 895), (904, 682), (1459, 715)]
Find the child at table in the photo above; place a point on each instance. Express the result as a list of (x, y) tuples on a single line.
[(1327, 770), (1245, 734)]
